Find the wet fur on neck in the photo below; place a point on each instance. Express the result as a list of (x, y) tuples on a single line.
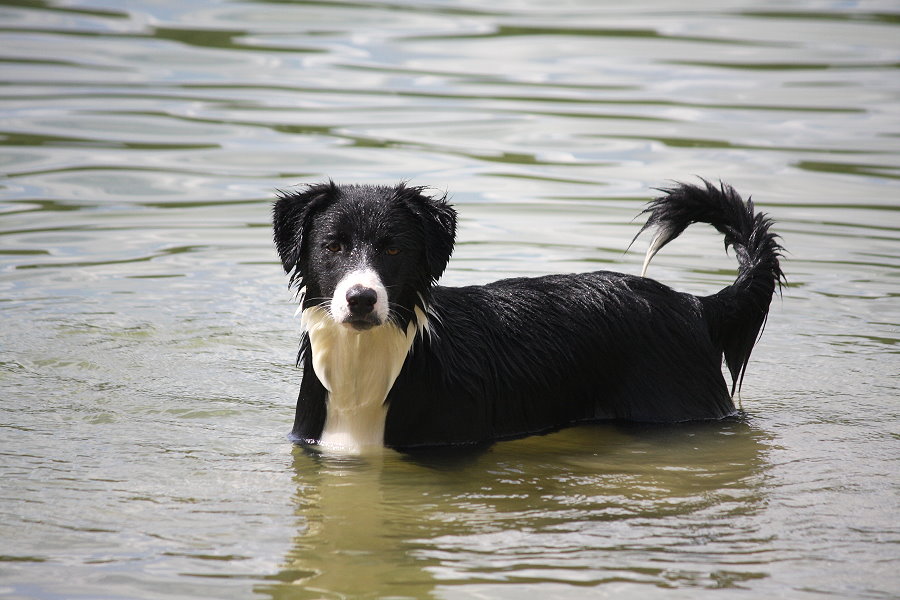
[(358, 369)]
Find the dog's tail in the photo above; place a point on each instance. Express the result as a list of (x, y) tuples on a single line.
[(737, 314)]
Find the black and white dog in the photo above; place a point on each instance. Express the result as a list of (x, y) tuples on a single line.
[(392, 359)]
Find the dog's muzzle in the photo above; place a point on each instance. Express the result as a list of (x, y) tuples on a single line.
[(360, 300)]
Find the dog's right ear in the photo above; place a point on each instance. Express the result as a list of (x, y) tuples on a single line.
[(291, 218)]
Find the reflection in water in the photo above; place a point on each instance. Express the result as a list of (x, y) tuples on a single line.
[(352, 530), (595, 504)]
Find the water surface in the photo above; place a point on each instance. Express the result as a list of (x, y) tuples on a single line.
[(147, 343)]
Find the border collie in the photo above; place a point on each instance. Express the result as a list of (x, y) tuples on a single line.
[(391, 359)]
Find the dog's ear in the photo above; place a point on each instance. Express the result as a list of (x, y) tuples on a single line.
[(291, 218), (439, 223)]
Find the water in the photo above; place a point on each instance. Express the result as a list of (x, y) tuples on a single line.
[(146, 378)]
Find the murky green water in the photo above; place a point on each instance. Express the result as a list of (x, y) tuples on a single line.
[(146, 378)]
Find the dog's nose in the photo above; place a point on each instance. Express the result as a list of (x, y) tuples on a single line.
[(361, 300)]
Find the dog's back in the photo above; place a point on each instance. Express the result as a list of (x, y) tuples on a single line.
[(523, 356)]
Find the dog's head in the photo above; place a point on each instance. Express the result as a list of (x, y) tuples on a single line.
[(368, 254)]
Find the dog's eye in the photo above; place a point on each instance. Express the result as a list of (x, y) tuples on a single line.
[(392, 251), (334, 247)]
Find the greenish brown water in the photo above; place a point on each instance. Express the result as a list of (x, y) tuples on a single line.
[(147, 344)]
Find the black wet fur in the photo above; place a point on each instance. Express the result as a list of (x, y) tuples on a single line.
[(530, 355)]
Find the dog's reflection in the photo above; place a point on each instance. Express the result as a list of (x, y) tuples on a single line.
[(401, 525)]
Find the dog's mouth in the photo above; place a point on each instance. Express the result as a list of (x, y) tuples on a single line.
[(361, 323)]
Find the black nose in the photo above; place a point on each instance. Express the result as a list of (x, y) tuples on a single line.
[(361, 300)]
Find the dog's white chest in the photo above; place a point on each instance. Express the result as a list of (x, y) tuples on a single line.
[(358, 369)]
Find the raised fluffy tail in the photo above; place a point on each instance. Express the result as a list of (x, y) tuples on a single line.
[(735, 315)]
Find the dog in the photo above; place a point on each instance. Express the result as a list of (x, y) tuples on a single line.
[(392, 359)]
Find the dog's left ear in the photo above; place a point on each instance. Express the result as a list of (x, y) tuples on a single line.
[(439, 223), (290, 220)]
